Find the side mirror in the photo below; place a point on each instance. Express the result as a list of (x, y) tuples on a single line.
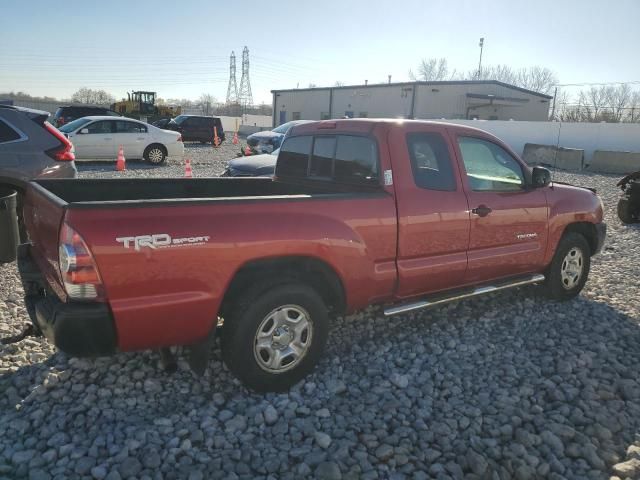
[(84, 130), (540, 177)]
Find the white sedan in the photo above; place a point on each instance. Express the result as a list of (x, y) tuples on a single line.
[(100, 137)]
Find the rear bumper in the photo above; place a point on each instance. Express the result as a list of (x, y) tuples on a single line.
[(601, 231), (80, 329)]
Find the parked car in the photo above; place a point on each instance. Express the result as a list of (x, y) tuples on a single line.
[(162, 123), (30, 147), (269, 140), (408, 215), (252, 165), (197, 128), (98, 138), (72, 112)]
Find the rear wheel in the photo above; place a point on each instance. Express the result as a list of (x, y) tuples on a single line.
[(275, 336), (155, 154), (569, 268), (626, 212)]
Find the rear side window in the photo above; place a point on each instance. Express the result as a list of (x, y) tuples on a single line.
[(322, 158), (130, 127), (293, 158), (430, 161), (356, 160), (7, 134), (341, 158)]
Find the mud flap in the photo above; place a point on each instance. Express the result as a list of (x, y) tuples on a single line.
[(200, 353)]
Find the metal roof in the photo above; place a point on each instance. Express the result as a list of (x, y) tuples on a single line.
[(435, 84)]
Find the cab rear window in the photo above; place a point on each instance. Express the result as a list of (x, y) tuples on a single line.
[(347, 159)]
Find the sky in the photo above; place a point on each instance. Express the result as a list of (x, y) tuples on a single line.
[(181, 49)]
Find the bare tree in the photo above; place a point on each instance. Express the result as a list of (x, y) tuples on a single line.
[(89, 96), (432, 70), (207, 102), (618, 99), (633, 114), (538, 79), (338, 84)]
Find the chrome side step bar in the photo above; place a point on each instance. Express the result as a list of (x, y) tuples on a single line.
[(460, 295)]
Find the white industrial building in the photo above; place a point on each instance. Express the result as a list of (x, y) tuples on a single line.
[(482, 99)]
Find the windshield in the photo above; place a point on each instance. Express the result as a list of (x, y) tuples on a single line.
[(71, 126), (179, 119), (283, 128)]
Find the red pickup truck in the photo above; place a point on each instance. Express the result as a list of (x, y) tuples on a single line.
[(406, 214)]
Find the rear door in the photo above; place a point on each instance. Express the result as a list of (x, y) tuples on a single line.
[(433, 214), (98, 143), (133, 136), (508, 220)]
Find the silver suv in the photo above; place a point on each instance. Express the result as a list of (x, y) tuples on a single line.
[(30, 147)]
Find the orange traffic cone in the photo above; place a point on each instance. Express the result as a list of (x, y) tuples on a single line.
[(235, 138), (121, 162), (188, 173), (216, 138), (247, 150)]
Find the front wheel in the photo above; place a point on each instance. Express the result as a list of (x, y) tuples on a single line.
[(155, 154), (569, 268), (275, 337)]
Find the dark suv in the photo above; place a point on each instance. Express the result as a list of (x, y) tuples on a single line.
[(72, 112), (196, 128), (30, 147)]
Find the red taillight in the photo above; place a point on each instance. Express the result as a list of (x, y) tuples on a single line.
[(62, 153), (78, 268), (179, 139)]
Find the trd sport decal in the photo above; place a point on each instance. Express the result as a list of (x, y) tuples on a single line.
[(160, 240)]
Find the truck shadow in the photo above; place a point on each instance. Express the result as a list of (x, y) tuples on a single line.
[(489, 372)]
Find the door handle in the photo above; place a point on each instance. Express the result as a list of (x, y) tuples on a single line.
[(481, 211), (140, 138), (106, 139)]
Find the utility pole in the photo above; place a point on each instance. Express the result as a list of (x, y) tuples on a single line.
[(481, 45), (553, 109)]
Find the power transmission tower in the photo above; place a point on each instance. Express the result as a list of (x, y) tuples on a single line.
[(245, 97), (232, 90)]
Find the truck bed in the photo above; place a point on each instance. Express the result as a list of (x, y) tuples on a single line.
[(106, 192)]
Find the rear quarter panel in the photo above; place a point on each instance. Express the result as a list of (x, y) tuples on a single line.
[(171, 296)]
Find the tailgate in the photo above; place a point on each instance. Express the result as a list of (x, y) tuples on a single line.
[(43, 213)]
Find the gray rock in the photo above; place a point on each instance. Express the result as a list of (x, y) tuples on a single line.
[(477, 462), (322, 439), (23, 456), (400, 381), (328, 471), (39, 474), (151, 460), (384, 452), (99, 472), (84, 465), (270, 415), (129, 467)]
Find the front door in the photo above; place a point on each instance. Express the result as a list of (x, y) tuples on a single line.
[(433, 214), (283, 117), (508, 218), (98, 143)]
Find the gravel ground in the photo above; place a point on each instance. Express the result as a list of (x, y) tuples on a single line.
[(206, 161), (505, 386)]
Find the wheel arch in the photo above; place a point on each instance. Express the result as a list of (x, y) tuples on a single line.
[(268, 272), (587, 230)]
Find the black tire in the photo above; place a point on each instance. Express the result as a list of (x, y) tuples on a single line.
[(559, 286), (625, 211), (155, 154), (238, 339)]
